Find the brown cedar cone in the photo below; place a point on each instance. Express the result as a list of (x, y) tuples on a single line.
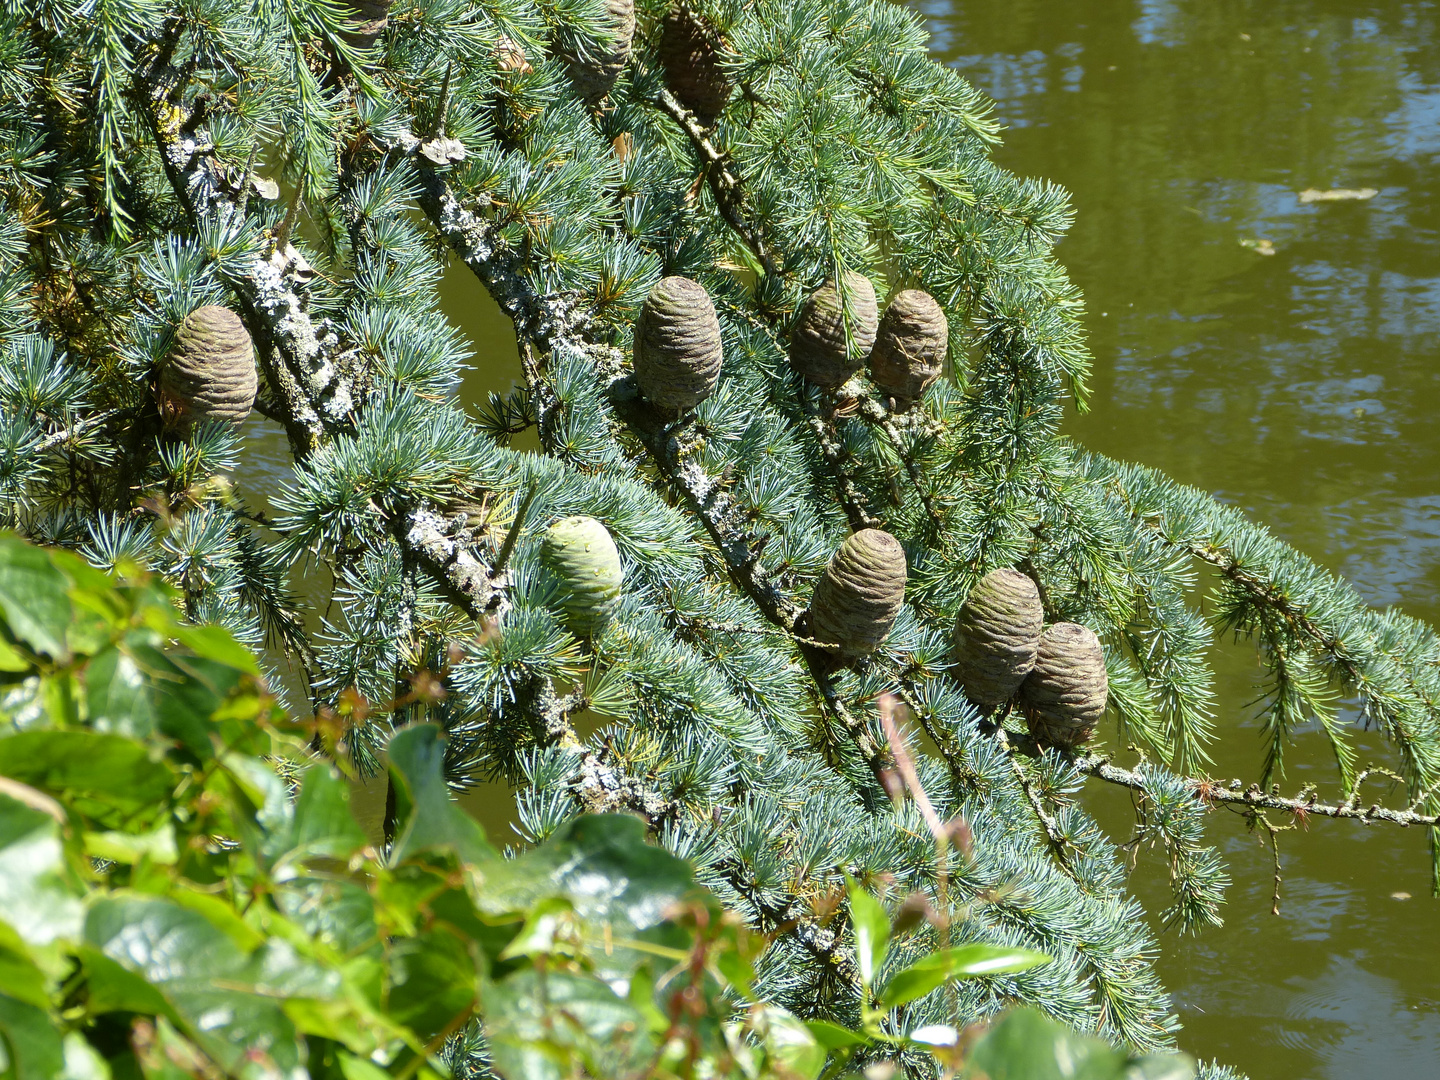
[(367, 22), (677, 344), (1064, 695), (996, 634), (910, 346), (689, 50), (858, 596), (595, 74), (817, 346), (210, 372)]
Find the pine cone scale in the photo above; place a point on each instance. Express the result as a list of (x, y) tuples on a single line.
[(860, 593), (581, 553), (689, 51), (368, 19), (910, 346), (678, 349), (210, 371), (1065, 694), (818, 349), (594, 75), (996, 636)]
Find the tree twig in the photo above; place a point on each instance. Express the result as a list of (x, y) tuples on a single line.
[(1048, 825), (1253, 797), (728, 192), (55, 438)]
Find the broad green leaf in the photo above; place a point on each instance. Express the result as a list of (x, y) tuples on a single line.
[(29, 1041), (186, 707), (34, 597), (19, 975), (10, 658), (641, 993), (417, 760), (432, 981), (259, 802), (739, 972), (113, 773), (357, 1068), (83, 1061), (339, 914), (228, 1000), (217, 644), (321, 824), (37, 896), (1028, 1046), (221, 914), (118, 694), (790, 1042), (538, 1020), (165, 1054), (872, 931), (111, 987), (1161, 1067), (158, 845), (961, 962), (138, 689), (833, 1036), (603, 866), (96, 609), (542, 923)]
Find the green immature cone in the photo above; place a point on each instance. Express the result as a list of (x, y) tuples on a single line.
[(690, 50), (910, 346), (210, 371), (580, 552), (997, 634), (817, 346), (678, 350), (857, 598), (1064, 695), (594, 71)]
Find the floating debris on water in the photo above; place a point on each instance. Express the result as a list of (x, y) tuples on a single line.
[(1260, 247), (1310, 195)]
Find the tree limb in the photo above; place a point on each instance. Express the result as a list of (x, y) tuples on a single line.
[(1212, 794), (728, 192)]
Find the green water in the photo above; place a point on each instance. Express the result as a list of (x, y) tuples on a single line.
[(1297, 385), (1300, 386)]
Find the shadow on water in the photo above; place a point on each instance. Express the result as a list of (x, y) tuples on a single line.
[(1300, 386)]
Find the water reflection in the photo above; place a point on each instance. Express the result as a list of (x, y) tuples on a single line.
[(1298, 384)]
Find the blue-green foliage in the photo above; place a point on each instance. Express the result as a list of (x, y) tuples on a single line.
[(137, 151)]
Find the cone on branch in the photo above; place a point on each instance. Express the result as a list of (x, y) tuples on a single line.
[(818, 349), (690, 52), (367, 21), (996, 636), (594, 69), (580, 552), (678, 351), (859, 594), (1064, 695), (209, 373), (910, 346)]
